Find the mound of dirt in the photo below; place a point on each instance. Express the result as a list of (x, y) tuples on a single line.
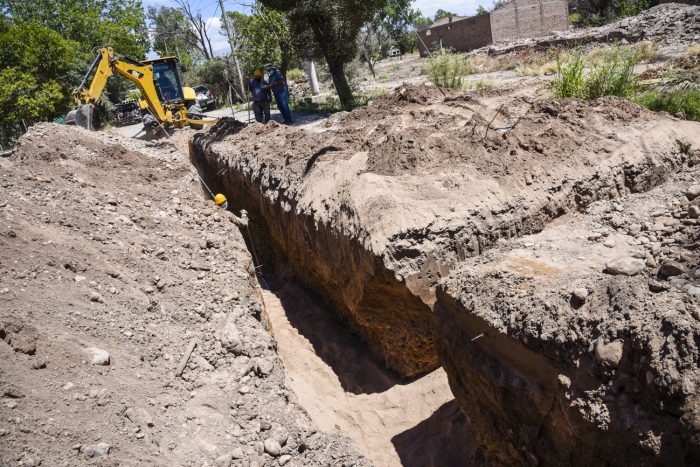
[(374, 209), (113, 267), (582, 340)]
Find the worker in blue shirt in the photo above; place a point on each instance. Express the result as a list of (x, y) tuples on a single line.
[(279, 89), (261, 97)]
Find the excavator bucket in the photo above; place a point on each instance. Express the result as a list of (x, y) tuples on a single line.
[(82, 116)]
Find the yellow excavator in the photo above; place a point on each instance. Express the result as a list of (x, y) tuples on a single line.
[(164, 101)]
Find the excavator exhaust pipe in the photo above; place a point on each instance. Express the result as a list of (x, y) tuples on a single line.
[(82, 116)]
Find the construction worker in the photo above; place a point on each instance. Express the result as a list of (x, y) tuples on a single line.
[(222, 202), (261, 97), (279, 88)]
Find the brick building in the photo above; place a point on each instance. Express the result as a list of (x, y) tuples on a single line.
[(528, 18), (458, 34), (516, 19)]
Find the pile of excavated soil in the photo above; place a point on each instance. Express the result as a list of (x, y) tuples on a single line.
[(669, 24), (375, 208), (112, 265), (584, 339)]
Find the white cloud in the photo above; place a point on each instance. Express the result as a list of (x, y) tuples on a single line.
[(461, 7), (219, 42)]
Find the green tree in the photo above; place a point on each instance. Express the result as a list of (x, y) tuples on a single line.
[(90, 23), (170, 34), (480, 10), (39, 68), (443, 14), (263, 37), (328, 29)]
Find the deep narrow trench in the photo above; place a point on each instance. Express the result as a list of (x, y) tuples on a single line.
[(344, 387), (341, 382)]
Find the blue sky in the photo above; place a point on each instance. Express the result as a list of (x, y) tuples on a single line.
[(210, 11)]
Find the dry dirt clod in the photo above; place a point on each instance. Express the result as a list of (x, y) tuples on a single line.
[(624, 266)]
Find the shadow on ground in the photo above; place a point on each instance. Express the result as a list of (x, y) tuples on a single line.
[(359, 371), (443, 439)]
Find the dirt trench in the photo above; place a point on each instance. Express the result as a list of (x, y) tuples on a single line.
[(372, 213)]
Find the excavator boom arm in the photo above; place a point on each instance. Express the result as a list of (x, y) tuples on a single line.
[(140, 74)]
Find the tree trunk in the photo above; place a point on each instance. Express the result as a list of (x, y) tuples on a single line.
[(337, 70)]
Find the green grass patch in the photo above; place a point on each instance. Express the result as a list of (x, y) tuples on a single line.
[(448, 69), (682, 102), (610, 74)]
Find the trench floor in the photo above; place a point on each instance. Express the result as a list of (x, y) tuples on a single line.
[(344, 388)]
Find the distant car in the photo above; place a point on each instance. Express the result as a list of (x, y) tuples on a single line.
[(394, 52), (128, 112), (205, 97)]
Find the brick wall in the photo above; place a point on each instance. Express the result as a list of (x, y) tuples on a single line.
[(528, 18), (461, 35)]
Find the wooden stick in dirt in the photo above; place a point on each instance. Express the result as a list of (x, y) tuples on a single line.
[(186, 357)]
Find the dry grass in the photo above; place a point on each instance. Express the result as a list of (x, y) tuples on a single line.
[(647, 51), (694, 50)]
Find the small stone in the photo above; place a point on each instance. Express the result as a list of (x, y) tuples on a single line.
[(79, 278), (284, 459), (656, 248), (230, 337), (4, 432), (223, 460), (693, 192), (95, 297), (564, 381), (609, 354), (265, 425), (694, 212), (650, 261), (272, 447), (264, 366), (634, 229), (244, 390), (694, 291), (98, 356), (68, 386), (96, 450), (670, 268), (580, 294), (237, 453), (624, 266), (610, 243)]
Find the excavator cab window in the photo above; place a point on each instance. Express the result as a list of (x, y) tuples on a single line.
[(167, 82)]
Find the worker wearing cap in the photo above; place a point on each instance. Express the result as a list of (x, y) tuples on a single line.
[(261, 97), (222, 202), (278, 85)]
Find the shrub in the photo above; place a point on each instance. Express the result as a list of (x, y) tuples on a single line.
[(647, 50), (296, 74), (682, 102), (448, 69), (610, 75), (570, 81)]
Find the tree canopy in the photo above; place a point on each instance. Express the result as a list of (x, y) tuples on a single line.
[(440, 13), (328, 29)]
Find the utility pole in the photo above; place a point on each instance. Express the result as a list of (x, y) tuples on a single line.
[(230, 43)]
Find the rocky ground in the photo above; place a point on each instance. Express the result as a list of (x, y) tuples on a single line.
[(671, 24), (594, 323), (113, 265)]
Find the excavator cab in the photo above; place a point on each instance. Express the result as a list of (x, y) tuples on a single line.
[(166, 77)]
